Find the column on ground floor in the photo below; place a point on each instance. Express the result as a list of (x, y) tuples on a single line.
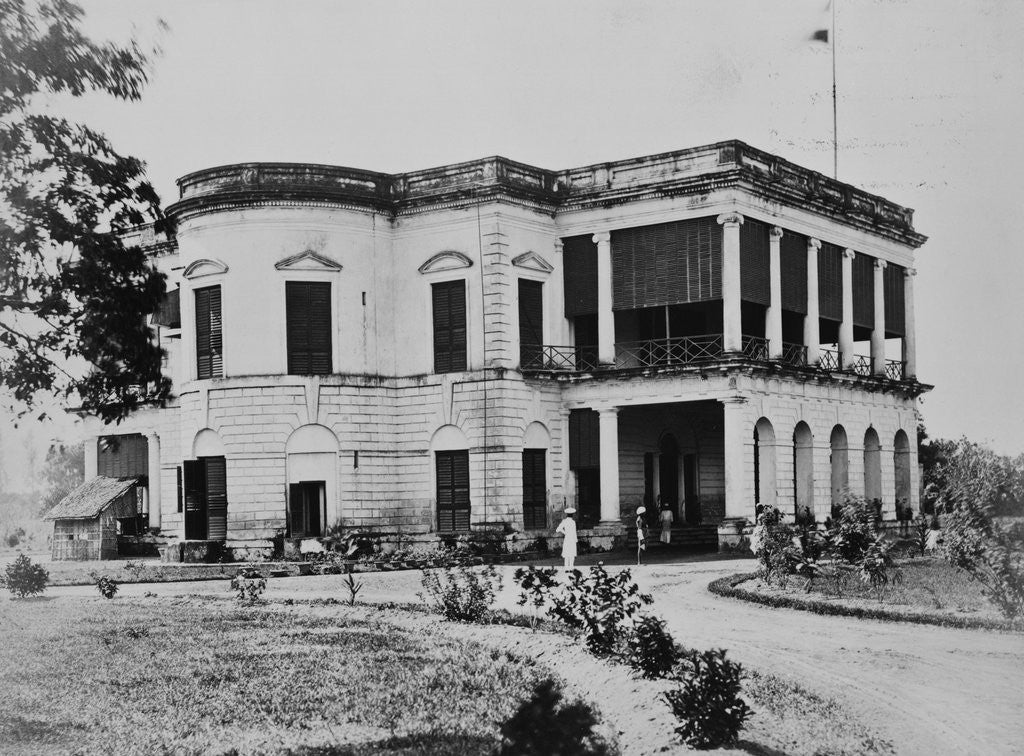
[(153, 482), (608, 424), (739, 444)]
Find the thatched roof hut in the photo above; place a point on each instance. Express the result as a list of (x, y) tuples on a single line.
[(85, 521)]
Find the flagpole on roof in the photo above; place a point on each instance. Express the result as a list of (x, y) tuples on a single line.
[(835, 128)]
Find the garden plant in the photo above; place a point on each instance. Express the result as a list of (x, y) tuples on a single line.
[(23, 578)]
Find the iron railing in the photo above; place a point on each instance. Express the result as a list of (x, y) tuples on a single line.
[(679, 350), (830, 359), (756, 348), (860, 365), (894, 370), (794, 354), (557, 358)]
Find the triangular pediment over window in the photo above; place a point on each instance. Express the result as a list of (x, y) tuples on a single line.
[(532, 261), (448, 260), (205, 267), (308, 260)]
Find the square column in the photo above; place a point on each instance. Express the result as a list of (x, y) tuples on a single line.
[(153, 444), (909, 335), (812, 326), (773, 315), (732, 323), (608, 430), (568, 481), (878, 334), (846, 326), (605, 315), (737, 439)]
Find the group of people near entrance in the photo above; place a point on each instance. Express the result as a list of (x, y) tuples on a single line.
[(568, 530)]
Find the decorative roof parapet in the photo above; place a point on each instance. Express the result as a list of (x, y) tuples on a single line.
[(690, 171)]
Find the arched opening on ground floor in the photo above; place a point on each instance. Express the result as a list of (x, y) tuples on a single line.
[(839, 458), (764, 465), (312, 471), (901, 463), (803, 472), (872, 466)]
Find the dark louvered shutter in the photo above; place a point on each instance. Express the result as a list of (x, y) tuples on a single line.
[(666, 264), (534, 489), (308, 306), (579, 256), (755, 258), (895, 301), (863, 291), (830, 282), (793, 261), (169, 312), (449, 305), (217, 498), (531, 321), (209, 339), (194, 474), (296, 514), (584, 439), (453, 490), (177, 471), (124, 456)]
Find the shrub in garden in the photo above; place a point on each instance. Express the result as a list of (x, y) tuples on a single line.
[(877, 567), (707, 703), (855, 528), (772, 541), (249, 585), (652, 649), (463, 594), (536, 586), (107, 586), (353, 587), (23, 578), (544, 725)]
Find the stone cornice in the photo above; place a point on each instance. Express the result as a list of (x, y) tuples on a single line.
[(699, 170)]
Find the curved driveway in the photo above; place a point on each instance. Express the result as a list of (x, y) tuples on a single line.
[(927, 690)]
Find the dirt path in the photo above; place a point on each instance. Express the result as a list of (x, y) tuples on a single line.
[(927, 690)]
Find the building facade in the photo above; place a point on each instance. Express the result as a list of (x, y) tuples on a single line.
[(478, 345)]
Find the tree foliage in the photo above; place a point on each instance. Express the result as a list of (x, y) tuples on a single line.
[(73, 298)]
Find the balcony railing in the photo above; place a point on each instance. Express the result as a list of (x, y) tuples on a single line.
[(558, 358), (830, 360), (680, 350), (894, 370), (794, 354), (756, 348), (861, 365)]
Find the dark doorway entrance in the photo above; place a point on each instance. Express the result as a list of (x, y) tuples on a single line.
[(206, 498), (668, 473), (692, 505), (306, 502), (588, 494)]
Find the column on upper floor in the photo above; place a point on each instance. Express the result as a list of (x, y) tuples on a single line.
[(608, 429), (878, 332), (605, 315), (909, 335), (846, 355), (812, 325), (773, 315), (732, 321)]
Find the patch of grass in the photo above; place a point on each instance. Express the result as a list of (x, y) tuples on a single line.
[(201, 677)]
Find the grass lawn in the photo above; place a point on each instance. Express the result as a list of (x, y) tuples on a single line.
[(150, 676), (926, 583)]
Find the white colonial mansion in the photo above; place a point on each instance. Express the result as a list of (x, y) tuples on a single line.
[(482, 344)]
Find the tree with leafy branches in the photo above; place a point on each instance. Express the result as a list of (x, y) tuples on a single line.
[(73, 297)]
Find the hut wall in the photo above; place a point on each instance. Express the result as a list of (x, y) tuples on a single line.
[(76, 540)]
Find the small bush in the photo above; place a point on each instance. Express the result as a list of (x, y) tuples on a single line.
[(602, 606), (23, 578), (249, 585), (13, 540), (353, 588), (106, 586), (877, 567), (707, 703), (652, 649), (536, 586), (463, 594), (772, 543), (544, 725), (855, 528)]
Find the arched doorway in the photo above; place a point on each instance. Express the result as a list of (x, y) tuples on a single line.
[(840, 461), (312, 469), (205, 489), (901, 462), (803, 472), (764, 465), (872, 466)]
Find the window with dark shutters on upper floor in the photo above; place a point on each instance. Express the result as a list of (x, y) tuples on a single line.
[(531, 322), (449, 309), (209, 338), (308, 306)]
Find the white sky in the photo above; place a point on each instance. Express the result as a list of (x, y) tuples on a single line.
[(931, 95)]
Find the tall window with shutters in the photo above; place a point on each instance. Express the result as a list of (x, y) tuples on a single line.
[(209, 339), (205, 498), (535, 510), (308, 306), (531, 322), (452, 490), (449, 306)]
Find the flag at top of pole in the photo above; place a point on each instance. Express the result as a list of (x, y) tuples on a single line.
[(828, 36)]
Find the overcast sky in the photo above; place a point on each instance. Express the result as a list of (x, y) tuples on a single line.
[(931, 95)]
